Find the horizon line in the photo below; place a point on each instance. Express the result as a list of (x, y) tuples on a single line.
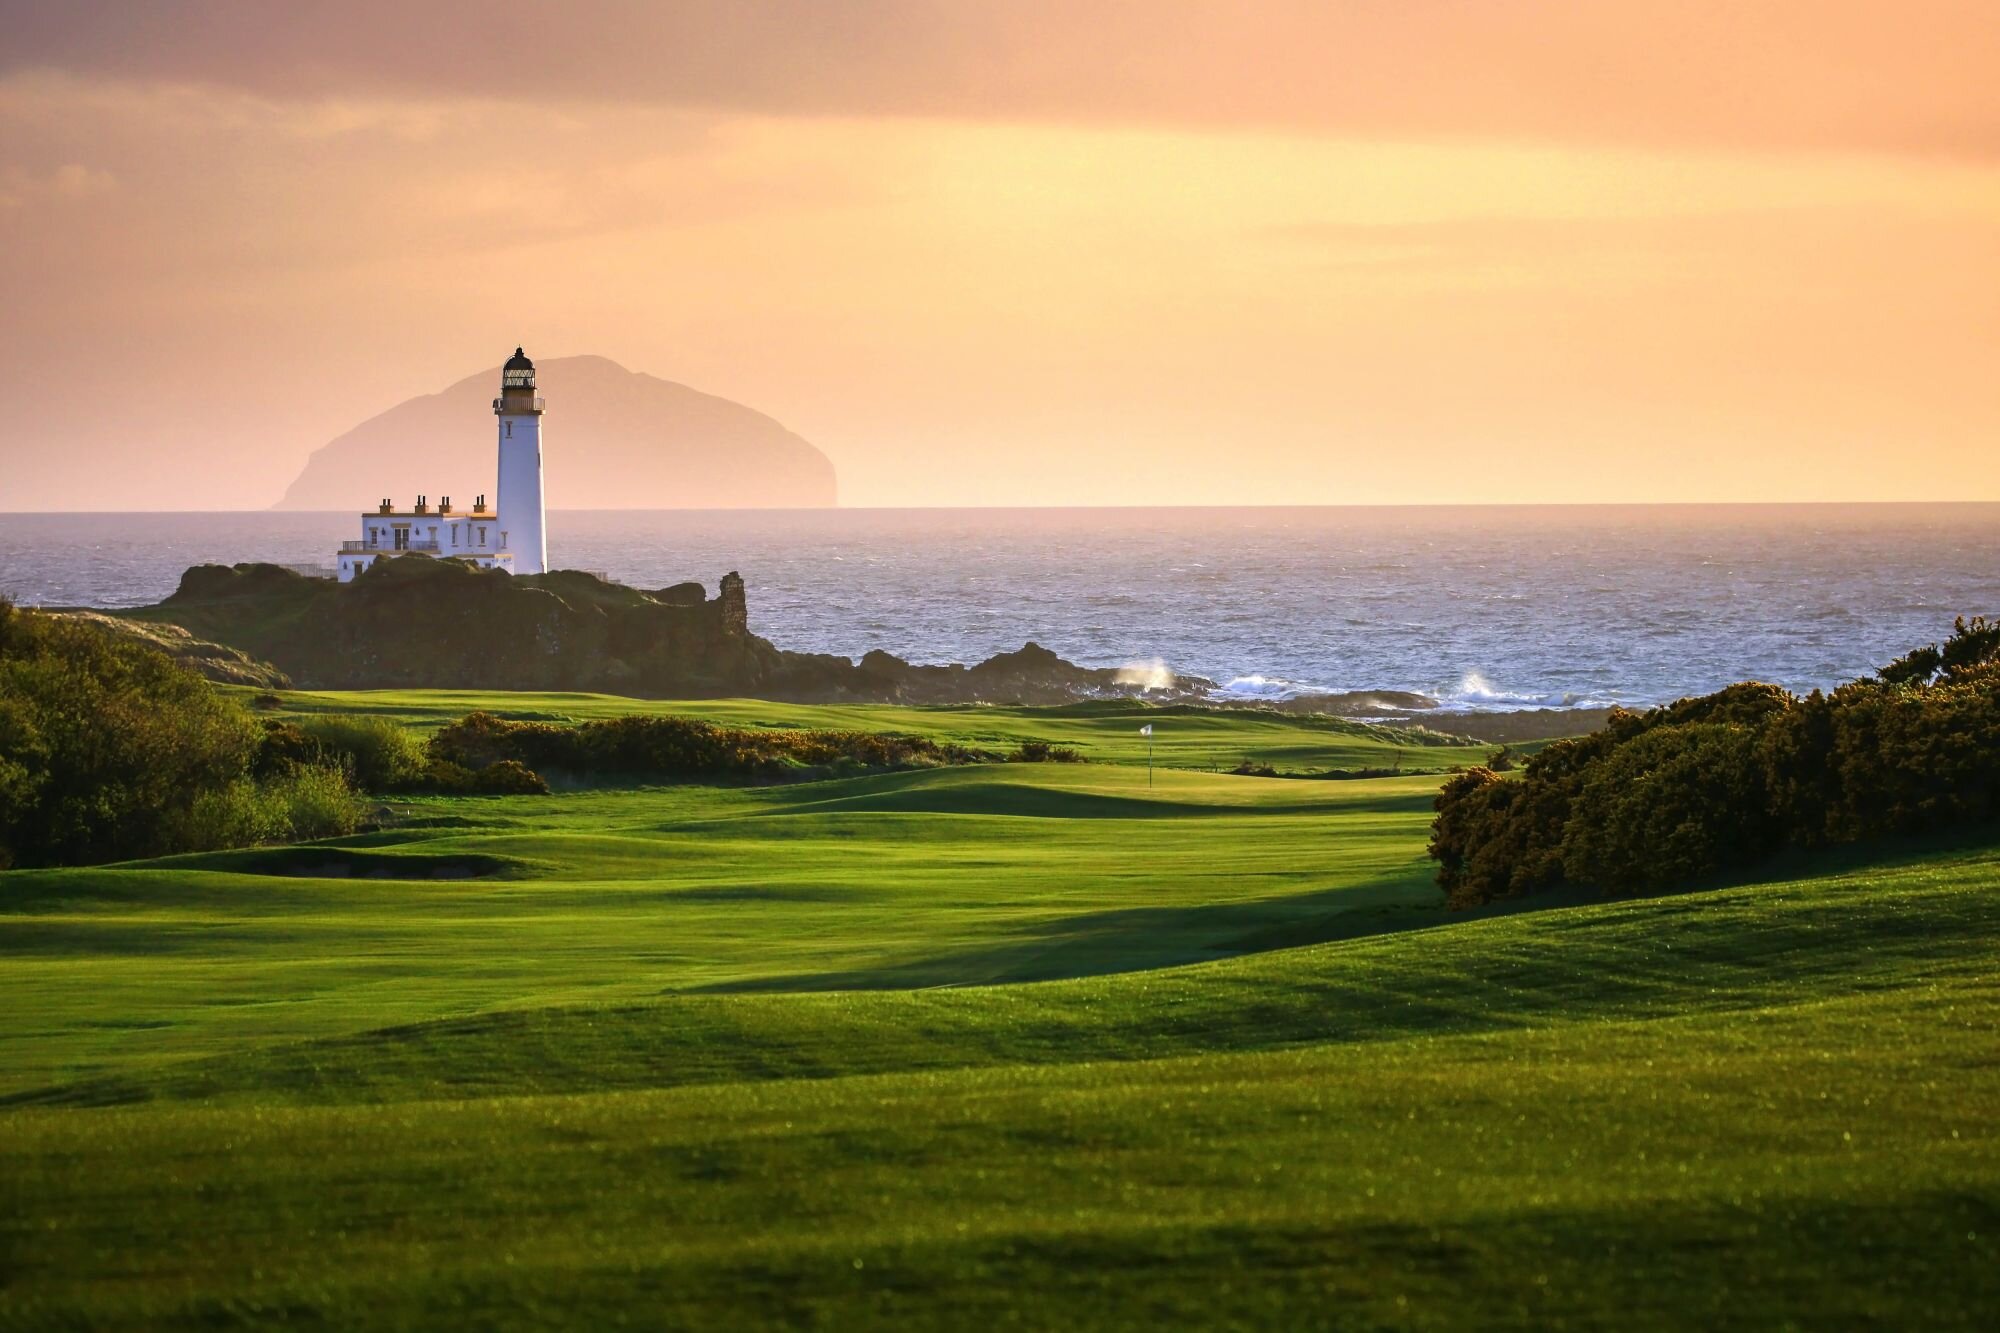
[(1127, 508)]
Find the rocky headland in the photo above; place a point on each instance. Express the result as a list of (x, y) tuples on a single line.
[(417, 623)]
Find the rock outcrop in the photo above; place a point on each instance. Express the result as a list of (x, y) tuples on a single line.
[(215, 661), (419, 623)]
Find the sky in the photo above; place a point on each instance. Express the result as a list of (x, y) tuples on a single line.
[(1040, 252)]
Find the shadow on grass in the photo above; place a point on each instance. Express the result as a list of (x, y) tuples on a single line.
[(333, 862), (1137, 939), (1728, 949), (168, 881), (1024, 800), (1143, 938)]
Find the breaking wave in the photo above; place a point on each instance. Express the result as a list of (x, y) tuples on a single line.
[(1474, 693), (1153, 674), (1265, 687)]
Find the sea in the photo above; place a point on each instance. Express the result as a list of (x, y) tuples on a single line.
[(1485, 608)]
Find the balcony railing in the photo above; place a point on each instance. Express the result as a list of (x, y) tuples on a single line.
[(501, 404), (387, 548)]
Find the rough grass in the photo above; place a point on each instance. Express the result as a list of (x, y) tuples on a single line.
[(688, 1057)]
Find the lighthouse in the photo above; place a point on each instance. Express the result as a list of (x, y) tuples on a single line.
[(519, 411), (510, 537)]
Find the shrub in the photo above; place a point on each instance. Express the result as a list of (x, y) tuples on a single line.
[(1042, 752), (233, 815), (443, 776), (285, 746), (317, 803), (304, 802), (105, 745), (676, 748), (1973, 643), (379, 755), (1801, 785), (1908, 759), (1496, 839), (1674, 804), (111, 750), (509, 777), (1721, 781)]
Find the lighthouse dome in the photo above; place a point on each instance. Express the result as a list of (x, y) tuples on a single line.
[(518, 373)]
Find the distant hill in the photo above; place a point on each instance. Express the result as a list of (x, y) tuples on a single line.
[(613, 439)]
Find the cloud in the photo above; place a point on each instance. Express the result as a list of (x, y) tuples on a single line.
[(71, 180), (1829, 74)]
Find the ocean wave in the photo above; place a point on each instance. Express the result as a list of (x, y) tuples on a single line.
[(1474, 693), (1265, 687)]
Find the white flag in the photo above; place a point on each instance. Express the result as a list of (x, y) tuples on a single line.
[(1146, 730)]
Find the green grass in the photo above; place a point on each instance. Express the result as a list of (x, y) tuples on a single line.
[(947, 876), (1022, 1045), (1185, 736)]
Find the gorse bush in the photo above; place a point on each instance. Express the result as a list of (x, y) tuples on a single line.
[(503, 777), (1709, 784), (380, 755), (677, 748), (376, 755), (1671, 805), (110, 750), (1043, 752), (306, 802)]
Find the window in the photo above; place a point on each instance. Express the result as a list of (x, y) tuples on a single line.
[(509, 427)]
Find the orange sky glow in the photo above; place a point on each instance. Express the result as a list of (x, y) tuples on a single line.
[(1035, 253)]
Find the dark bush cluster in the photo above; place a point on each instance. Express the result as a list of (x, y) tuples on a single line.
[(1042, 752), (1709, 784), (111, 750), (677, 748), (378, 755)]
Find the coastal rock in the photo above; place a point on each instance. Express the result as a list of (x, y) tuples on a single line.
[(414, 622), (1532, 724), (1358, 703)]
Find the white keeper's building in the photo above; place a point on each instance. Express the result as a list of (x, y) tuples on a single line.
[(511, 536)]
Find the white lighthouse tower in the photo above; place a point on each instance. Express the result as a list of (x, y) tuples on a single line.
[(510, 537), (519, 411)]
